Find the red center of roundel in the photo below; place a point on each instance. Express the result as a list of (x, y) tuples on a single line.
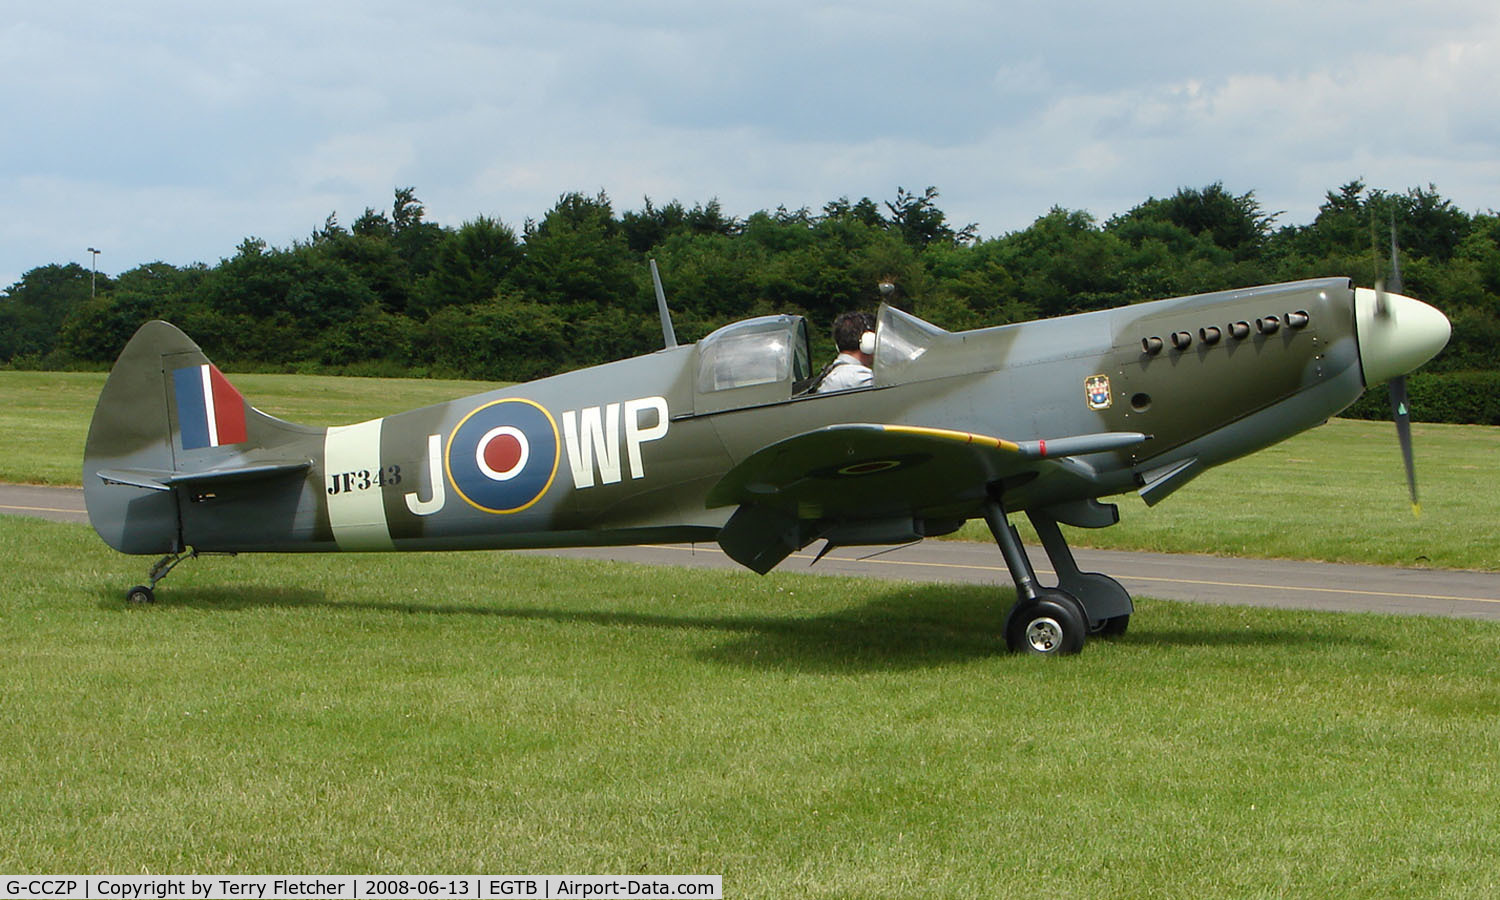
[(502, 453)]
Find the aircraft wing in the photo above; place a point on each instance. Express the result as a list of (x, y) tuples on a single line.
[(831, 480)]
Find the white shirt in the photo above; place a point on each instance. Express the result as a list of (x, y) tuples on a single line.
[(848, 372)]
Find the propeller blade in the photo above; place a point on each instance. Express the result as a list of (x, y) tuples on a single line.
[(1402, 415), (1400, 411), (1382, 300), (1395, 260)]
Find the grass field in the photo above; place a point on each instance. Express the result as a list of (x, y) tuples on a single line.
[(1335, 493), (801, 736), (809, 737)]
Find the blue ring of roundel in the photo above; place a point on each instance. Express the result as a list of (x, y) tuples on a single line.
[(521, 490)]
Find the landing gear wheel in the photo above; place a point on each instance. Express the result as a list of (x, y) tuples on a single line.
[(147, 593), (1050, 624), (1112, 627)]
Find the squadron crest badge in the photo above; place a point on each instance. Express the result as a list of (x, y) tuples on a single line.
[(1096, 391)]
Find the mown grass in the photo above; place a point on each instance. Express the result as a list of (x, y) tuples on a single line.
[(1336, 493), (817, 737)]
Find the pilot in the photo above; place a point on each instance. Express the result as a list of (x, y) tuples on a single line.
[(854, 335)]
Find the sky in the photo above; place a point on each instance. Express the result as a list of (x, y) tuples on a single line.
[(165, 130)]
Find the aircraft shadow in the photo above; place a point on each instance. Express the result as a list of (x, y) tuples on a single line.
[(909, 627), (921, 625), (223, 599), (915, 626)]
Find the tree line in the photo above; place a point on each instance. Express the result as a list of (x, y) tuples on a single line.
[(395, 294)]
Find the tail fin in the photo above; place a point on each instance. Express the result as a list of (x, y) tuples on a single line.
[(168, 418)]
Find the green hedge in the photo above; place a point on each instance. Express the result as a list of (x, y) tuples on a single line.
[(1460, 398)]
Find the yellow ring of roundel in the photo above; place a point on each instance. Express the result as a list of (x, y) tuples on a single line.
[(551, 476), (869, 467)]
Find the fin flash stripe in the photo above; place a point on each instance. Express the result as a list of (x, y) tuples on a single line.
[(210, 412)]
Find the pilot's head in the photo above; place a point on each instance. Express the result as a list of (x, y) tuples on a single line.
[(849, 328)]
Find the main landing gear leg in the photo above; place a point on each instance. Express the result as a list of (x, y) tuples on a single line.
[(146, 593), (1106, 603), (1044, 621)]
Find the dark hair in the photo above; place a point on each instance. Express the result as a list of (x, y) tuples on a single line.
[(849, 327)]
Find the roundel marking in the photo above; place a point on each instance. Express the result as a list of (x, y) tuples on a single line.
[(875, 466), (502, 457), (871, 467)]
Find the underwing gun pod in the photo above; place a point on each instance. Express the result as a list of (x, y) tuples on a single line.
[(722, 441)]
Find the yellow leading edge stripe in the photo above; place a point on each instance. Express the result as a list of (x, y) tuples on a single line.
[(963, 437)]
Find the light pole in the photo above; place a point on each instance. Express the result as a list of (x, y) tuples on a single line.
[(94, 273)]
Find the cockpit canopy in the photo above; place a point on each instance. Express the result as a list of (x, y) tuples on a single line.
[(768, 359), (756, 361), (755, 351)]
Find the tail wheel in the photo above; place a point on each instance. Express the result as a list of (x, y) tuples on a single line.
[(140, 594), (1050, 624)]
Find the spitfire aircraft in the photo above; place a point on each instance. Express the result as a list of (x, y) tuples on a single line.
[(726, 440)]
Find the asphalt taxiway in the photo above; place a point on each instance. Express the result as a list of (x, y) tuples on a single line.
[(1204, 579)]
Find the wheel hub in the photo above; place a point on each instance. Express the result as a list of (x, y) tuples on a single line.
[(1044, 634)]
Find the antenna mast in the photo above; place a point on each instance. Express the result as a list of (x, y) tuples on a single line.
[(667, 333)]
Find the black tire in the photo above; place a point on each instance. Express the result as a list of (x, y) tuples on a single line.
[(140, 594), (1112, 627), (1051, 624)]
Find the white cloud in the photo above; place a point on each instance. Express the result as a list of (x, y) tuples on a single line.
[(172, 130)]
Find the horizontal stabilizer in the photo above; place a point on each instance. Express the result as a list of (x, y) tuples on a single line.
[(156, 480), (257, 472), (149, 479)]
